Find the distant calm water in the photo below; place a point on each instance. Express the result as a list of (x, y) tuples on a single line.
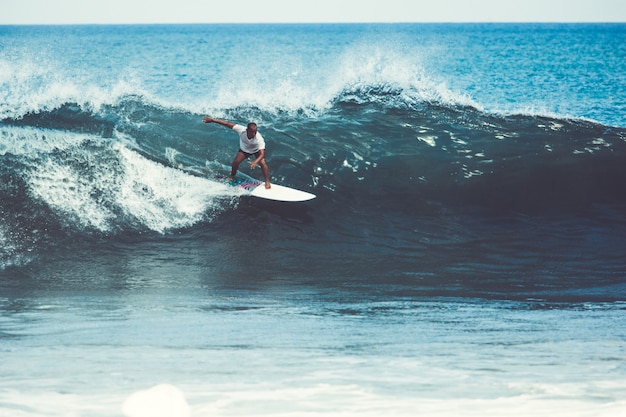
[(464, 256)]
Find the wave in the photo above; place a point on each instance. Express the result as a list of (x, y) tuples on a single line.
[(68, 174), (29, 90), (365, 73), (113, 168)]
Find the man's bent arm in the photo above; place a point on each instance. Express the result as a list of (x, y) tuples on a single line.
[(224, 123), (254, 163)]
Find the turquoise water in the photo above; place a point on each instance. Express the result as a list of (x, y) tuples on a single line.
[(464, 254)]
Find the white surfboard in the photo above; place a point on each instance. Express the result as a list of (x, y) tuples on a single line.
[(256, 188)]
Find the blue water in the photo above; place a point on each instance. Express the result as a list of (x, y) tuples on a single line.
[(464, 254)]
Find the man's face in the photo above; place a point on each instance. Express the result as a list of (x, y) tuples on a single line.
[(251, 130)]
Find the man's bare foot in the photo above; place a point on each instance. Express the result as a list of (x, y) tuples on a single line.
[(268, 185), (229, 179)]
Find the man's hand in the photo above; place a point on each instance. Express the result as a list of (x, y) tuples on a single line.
[(207, 119)]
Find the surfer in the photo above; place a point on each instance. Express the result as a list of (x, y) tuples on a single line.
[(250, 143)]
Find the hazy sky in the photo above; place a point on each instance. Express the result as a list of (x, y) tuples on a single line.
[(249, 11)]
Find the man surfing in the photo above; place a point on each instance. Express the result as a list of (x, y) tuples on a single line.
[(250, 143)]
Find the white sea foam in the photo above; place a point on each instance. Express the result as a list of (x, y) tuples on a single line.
[(69, 193), (165, 198), (92, 194), (295, 85), (162, 400), (30, 141), (32, 84), (322, 400)]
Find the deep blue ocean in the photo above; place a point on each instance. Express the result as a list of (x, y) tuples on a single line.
[(465, 254)]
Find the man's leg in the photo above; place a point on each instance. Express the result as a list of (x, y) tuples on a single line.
[(266, 173), (239, 158)]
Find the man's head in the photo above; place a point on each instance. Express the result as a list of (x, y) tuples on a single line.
[(251, 130)]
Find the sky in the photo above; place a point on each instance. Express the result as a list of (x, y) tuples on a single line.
[(307, 11)]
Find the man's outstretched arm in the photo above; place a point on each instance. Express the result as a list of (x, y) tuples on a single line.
[(207, 119)]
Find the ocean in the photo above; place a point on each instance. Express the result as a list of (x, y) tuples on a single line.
[(465, 254)]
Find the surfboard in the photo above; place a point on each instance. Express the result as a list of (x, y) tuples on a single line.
[(255, 188), (246, 184)]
